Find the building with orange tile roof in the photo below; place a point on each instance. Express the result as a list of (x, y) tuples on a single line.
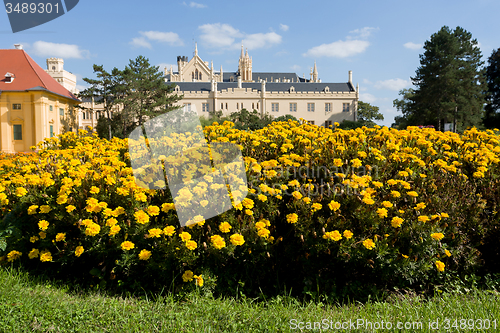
[(33, 105)]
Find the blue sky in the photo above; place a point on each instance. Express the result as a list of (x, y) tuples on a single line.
[(380, 41)]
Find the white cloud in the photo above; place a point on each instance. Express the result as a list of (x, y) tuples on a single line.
[(140, 42), (366, 81), (412, 46), (65, 51), (255, 41), (338, 49), (295, 67), (195, 5), (165, 37), (393, 84), (363, 32), (367, 98), (219, 35), (284, 27)]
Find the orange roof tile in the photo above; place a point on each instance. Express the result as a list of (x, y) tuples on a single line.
[(28, 74)]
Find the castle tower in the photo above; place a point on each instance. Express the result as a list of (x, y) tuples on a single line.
[(245, 66)]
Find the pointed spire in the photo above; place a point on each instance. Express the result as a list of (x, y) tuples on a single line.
[(195, 49), (246, 54), (212, 65), (315, 70), (242, 55)]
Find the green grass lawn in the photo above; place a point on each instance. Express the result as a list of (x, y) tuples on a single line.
[(28, 304)]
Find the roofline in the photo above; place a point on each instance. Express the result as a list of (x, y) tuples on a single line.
[(42, 89)]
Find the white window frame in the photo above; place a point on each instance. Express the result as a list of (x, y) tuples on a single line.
[(293, 107), (310, 107)]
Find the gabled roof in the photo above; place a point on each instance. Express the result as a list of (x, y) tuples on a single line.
[(270, 86), (28, 75)]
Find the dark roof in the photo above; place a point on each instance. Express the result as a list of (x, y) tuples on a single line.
[(270, 86), (28, 74), (257, 76)]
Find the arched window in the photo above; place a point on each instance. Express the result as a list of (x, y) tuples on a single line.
[(192, 75)]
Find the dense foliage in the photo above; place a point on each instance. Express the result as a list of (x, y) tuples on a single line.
[(331, 212)]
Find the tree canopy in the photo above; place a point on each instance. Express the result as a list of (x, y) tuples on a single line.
[(449, 83), (367, 113), (139, 90), (492, 115)]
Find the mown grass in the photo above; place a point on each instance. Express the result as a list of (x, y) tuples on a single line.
[(30, 304)]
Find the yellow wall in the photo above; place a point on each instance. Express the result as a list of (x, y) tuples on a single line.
[(35, 118)]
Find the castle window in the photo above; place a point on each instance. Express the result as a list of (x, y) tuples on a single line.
[(310, 122), (231, 79), (328, 123), (327, 89), (345, 107), (204, 107), (226, 106), (83, 115), (18, 132), (51, 108), (293, 107), (310, 107), (200, 76), (222, 106), (237, 106), (292, 89), (253, 106), (187, 107), (61, 112), (275, 107), (192, 75), (51, 130), (328, 107), (16, 106)]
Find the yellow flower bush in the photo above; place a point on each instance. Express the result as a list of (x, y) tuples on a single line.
[(75, 200)]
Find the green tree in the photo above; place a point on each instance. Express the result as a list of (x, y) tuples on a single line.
[(246, 120), (449, 81), (404, 105), (492, 116), (103, 90), (367, 113), (143, 92)]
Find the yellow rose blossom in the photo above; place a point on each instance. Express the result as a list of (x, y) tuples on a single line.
[(185, 236), (153, 210), (387, 204), (440, 266), (333, 235), (32, 209), (225, 227), (334, 205), (92, 229), (114, 230), (423, 218), (199, 280), (369, 244), (127, 245), (218, 242), (45, 256), (237, 239), (264, 233), (79, 250), (382, 212), (396, 221), (70, 208), (21, 191), (187, 276), (347, 234), (94, 190), (292, 218), (60, 237), (43, 225), (13, 255), (141, 217), (437, 236), (144, 255), (169, 230), (297, 195), (191, 245), (34, 253), (448, 253), (395, 194), (412, 194)]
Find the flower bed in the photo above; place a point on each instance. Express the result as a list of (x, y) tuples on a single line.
[(328, 211)]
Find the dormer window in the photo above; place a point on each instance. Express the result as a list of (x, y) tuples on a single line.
[(9, 77)]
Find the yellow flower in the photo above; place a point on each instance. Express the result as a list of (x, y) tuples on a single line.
[(204, 203), (420, 205), (45, 255), (218, 242), (32, 209), (237, 239), (292, 218), (155, 232), (316, 206), (13, 255), (395, 194), (368, 200), (33, 239), (248, 203), (356, 163), (382, 212), (437, 236), (297, 195), (169, 230), (405, 256), (387, 204), (92, 229), (144, 255), (347, 234), (412, 194), (79, 250), (42, 235), (21, 191), (447, 253), (111, 222), (369, 244), (264, 233), (43, 225), (70, 208), (225, 227), (127, 245), (60, 237), (334, 205), (140, 197), (333, 235), (141, 217), (114, 230), (94, 190), (440, 265), (444, 215), (423, 218), (199, 280), (185, 236), (153, 210), (187, 276), (34, 253), (396, 222), (167, 206), (191, 245)]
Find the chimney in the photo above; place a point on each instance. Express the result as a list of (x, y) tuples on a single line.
[(239, 81), (18, 46), (350, 76)]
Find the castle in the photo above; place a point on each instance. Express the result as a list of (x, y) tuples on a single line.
[(277, 94)]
